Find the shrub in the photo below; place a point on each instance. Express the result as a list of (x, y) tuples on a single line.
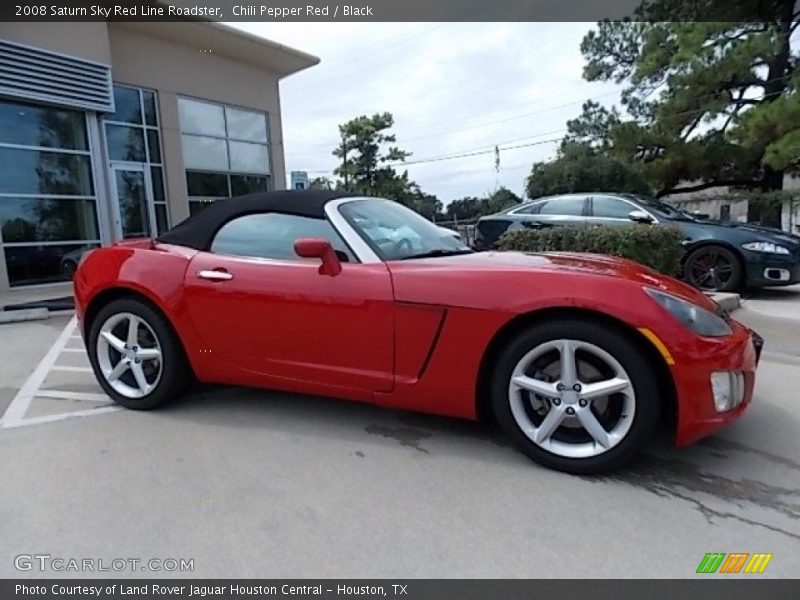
[(654, 246)]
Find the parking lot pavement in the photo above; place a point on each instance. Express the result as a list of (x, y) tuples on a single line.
[(778, 302), (260, 484)]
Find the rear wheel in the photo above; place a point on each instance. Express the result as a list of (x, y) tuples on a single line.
[(713, 268), (135, 355), (576, 395)]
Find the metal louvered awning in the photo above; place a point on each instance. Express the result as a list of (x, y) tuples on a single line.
[(35, 74)]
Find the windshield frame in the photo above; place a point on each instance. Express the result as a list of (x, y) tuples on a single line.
[(343, 220)]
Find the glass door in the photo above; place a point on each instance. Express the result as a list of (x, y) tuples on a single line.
[(134, 214)]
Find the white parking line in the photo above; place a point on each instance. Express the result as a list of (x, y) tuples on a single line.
[(66, 395), (19, 406), (71, 369)]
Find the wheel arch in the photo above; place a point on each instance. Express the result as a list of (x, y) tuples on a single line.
[(108, 295), (527, 320)]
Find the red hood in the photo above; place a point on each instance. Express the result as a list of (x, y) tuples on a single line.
[(558, 264)]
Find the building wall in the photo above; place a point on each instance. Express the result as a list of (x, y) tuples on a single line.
[(82, 40), (197, 60), (175, 69)]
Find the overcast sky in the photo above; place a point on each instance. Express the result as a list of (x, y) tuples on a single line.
[(452, 88)]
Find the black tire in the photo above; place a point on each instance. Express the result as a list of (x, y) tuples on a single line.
[(642, 375), (68, 269), (713, 268), (176, 373)]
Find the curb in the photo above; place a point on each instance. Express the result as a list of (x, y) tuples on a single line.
[(728, 301), (20, 316)]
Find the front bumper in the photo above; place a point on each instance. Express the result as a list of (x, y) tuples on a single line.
[(771, 269), (697, 416)]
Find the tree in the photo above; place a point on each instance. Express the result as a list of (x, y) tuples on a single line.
[(500, 199), (712, 103), (322, 183), (365, 163), (581, 168)]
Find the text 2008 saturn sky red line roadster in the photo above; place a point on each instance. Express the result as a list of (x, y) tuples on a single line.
[(577, 357)]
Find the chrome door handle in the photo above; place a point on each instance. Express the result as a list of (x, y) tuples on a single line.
[(215, 275)]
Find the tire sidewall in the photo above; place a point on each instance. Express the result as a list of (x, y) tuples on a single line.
[(618, 345), (172, 357)]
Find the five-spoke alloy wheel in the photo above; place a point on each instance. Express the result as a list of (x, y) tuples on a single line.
[(576, 395), (135, 354)]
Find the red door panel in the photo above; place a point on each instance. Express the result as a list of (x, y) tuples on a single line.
[(284, 319)]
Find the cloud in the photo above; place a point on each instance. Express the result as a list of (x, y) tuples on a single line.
[(452, 88)]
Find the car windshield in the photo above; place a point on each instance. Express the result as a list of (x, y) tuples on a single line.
[(395, 232), (662, 208)]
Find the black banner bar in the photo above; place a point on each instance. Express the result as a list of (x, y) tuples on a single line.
[(751, 587), (383, 10)]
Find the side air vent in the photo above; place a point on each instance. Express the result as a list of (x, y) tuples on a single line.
[(52, 78)]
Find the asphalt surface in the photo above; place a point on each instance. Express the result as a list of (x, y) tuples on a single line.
[(259, 484)]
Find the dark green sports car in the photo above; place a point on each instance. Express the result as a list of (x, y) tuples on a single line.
[(719, 256)]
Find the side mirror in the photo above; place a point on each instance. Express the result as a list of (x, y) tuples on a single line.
[(639, 216), (322, 249)]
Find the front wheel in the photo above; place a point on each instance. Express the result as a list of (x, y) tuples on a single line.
[(713, 268), (136, 357), (576, 396)]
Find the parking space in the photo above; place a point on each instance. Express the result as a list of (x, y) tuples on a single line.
[(61, 386), (250, 483)]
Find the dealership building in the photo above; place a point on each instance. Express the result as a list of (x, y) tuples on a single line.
[(117, 130)]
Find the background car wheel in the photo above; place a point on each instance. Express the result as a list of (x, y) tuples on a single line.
[(576, 395), (713, 268), (68, 269), (135, 355)]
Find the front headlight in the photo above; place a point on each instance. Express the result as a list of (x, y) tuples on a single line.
[(696, 318), (766, 247)]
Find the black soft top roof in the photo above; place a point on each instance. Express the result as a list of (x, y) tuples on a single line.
[(198, 231)]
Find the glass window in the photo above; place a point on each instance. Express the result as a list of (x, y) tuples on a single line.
[(153, 146), (530, 209), (39, 172), (248, 158), (27, 125), (161, 218), (157, 177), (242, 185), (127, 106), (204, 153), (47, 219), (201, 118), (125, 143), (214, 185), (150, 110), (395, 232), (246, 125), (196, 206), (609, 207), (562, 206), (272, 235), (29, 265)]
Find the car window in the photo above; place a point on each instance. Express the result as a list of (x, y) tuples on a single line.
[(609, 207), (562, 206), (272, 235), (529, 209)]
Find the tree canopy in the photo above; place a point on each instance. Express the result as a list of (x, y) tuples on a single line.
[(708, 103), (581, 168)]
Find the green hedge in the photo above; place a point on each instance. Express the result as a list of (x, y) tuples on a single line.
[(655, 246)]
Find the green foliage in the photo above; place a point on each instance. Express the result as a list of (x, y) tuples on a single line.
[(656, 247), (472, 207), (366, 164), (713, 103), (580, 168)]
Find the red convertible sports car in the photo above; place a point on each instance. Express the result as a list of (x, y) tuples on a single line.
[(577, 357)]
